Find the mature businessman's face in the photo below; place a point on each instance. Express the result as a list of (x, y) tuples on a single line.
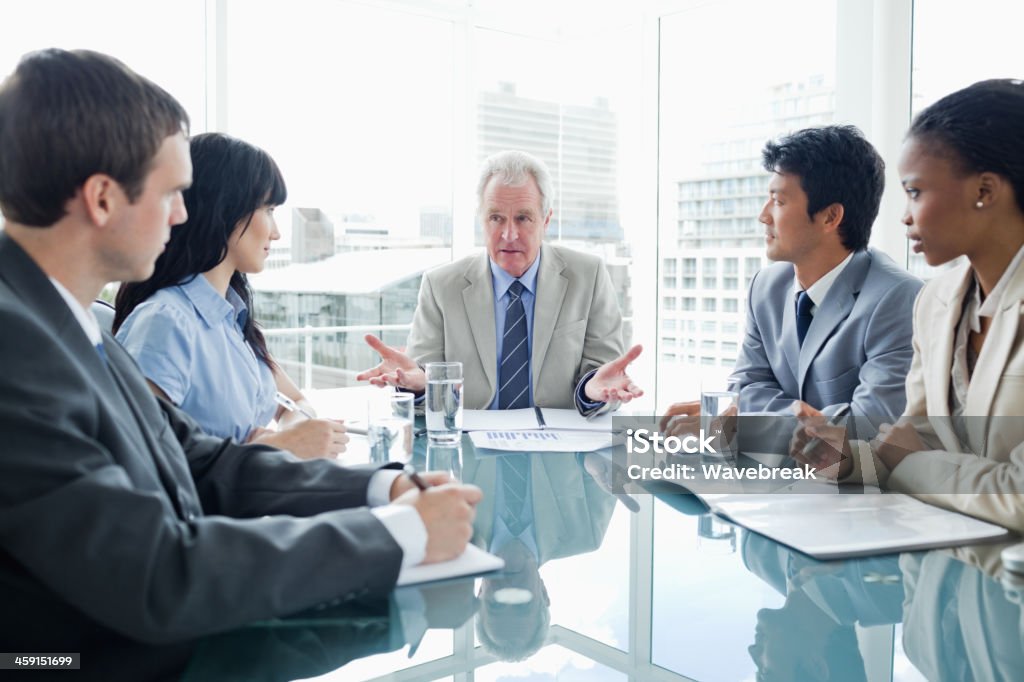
[(789, 233), (514, 224)]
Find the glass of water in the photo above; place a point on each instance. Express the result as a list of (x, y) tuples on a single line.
[(389, 428), (444, 402), (719, 421), (446, 458)]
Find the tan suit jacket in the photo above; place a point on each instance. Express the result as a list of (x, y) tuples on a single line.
[(986, 478), (577, 326)]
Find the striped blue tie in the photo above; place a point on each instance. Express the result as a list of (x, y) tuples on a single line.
[(514, 369)]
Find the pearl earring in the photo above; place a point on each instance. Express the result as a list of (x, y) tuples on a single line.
[(979, 204)]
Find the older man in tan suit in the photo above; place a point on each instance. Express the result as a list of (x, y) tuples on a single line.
[(532, 323)]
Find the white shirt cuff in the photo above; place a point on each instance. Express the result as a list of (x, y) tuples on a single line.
[(378, 492), (406, 527)]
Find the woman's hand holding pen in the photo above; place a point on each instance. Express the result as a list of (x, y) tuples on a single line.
[(307, 439), (831, 455)]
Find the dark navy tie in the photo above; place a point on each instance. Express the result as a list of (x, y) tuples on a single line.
[(514, 368), (803, 315)]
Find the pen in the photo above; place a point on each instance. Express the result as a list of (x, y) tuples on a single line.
[(832, 421), (292, 406), (410, 471)]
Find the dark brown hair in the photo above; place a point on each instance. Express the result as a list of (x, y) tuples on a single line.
[(65, 116)]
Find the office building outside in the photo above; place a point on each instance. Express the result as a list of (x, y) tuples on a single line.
[(719, 242)]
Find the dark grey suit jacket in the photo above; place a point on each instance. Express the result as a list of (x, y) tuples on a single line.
[(119, 518)]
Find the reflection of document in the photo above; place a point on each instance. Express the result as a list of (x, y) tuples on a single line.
[(474, 560), (540, 441), (533, 419)]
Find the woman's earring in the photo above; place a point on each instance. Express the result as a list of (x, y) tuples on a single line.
[(979, 204)]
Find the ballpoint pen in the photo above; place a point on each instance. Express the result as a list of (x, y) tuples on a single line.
[(410, 471), (292, 406)]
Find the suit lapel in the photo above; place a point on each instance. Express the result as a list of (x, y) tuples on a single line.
[(994, 354), (551, 286), (478, 297), (40, 296), (940, 357), (833, 310)]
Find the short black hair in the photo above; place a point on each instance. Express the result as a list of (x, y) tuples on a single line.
[(835, 165), (65, 116), (981, 128)]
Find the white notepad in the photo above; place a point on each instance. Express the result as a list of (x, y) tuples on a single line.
[(834, 526), (474, 560), (532, 419)]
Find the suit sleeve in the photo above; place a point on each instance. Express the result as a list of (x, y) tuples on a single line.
[(603, 340), (426, 338), (881, 393), (75, 518)]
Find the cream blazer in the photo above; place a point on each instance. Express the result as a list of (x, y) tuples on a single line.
[(577, 325), (986, 478)]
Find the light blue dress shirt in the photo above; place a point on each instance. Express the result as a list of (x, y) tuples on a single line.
[(188, 341), (502, 281)]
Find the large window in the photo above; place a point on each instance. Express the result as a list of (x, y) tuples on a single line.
[(726, 86), (986, 34)]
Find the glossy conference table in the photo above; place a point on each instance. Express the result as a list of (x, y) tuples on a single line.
[(648, 588)]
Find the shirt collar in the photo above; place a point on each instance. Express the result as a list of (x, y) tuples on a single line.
[(502, 280), (819, 290), (85, 317), (977, 308), (211, 306)]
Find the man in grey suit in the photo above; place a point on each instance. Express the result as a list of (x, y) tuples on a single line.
[(120, 521), (532, 323), (829, 324)]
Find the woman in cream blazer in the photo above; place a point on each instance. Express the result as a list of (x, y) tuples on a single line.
[(960, 442)]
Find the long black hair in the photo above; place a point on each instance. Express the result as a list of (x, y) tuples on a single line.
[(231, 179)]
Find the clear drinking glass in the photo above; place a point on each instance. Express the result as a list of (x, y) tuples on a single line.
[(719, 420), (444, 402), (389, 428), (446, 458)]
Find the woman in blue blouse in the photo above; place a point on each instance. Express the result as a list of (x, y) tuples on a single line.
[(189, 325)]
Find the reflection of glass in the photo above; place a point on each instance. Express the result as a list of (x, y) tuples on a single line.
[(719, 412), (444, 402), (389, 428), (446, 458), (715, 535)]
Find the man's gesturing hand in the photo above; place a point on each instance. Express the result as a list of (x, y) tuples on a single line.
[(611, 383), (395, 368)]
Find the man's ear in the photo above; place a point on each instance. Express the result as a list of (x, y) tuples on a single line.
[(832, 216), (547, 219), (101, 197)]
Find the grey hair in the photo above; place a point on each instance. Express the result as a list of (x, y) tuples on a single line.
[(512, 168)]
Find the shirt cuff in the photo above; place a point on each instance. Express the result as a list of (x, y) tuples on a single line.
[(582, 403), (378, 492), (406, 527)]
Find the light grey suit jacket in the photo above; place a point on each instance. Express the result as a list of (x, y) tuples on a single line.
[(857, 349), (120, 520), (577, 326)]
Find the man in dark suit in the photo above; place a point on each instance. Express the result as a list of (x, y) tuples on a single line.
[(119, 519)]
